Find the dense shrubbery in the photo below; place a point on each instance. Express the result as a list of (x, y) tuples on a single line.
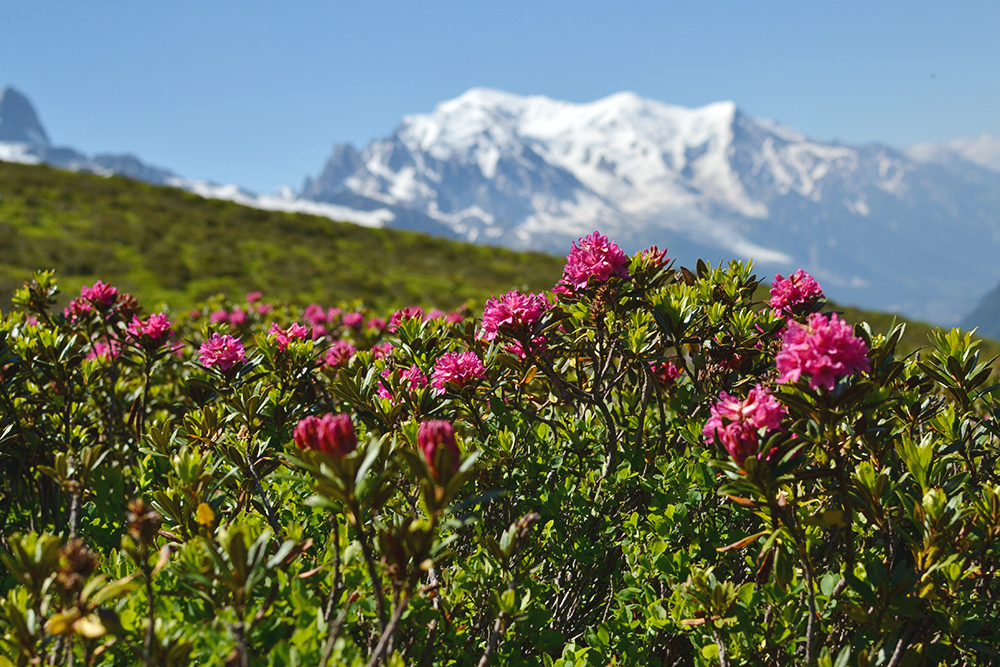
[(643, 467)]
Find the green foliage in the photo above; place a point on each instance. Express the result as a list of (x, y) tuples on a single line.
[(160, 507)]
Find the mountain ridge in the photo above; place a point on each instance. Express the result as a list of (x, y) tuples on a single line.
[(532, 172)]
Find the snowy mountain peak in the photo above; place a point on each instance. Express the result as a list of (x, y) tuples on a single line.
[(983, 150), (18, 120), (534, 172)]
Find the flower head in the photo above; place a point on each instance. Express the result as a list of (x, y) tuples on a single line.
[(285, 336), (436, 439), (103, 350), (795, 294), (410, 312), (736, 423), (458, 368), (353, 320), (411, 378), (77, 308), (595, 257), (238, 317), (222, 351), (156, 327), (825, 349), (315, 314), (339, 353), (666, 371), (100, 295), (511, 312), (331, 434)]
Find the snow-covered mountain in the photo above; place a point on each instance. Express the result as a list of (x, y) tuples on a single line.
[(983, 150), (876, 226), (915, 233)]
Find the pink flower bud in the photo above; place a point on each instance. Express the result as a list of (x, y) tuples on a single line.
[(436, 440), (331, 434)]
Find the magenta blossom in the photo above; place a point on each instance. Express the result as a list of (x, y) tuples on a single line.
[(407, 313), (666, 371), (156, 327), (218, 316), (436, 439), (102, 350), (510, 312), (381, 350), (795, 294), (237, 318), (824, 350), (285, 336), (353, 320), (411, 378), (339, 354), (737, 424), (376, 324), (222, 351), (100, 295), (77, 308), (254, 297), (457, 368), (594, 258), (315, 314)]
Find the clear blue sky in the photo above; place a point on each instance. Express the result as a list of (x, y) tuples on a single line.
[(257, 93)]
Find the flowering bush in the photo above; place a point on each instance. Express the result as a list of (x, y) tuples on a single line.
[(653, 468)]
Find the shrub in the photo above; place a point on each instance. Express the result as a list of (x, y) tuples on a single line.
[(644, 466)]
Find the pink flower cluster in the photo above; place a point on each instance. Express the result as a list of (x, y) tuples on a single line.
[(824, 350), (456, 368), (222, 351), (410, 312), (412, 378), (795, 294), (285, 336), (102, 350), (736, 424), (594, 258), (100, 295), (156, 328), (339, 354), (331, 434), (511, 312), (666, 371), (353, 320)]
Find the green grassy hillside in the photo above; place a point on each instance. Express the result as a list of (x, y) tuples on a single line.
[(165, 245)]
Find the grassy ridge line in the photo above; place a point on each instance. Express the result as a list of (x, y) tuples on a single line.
[(166, 245)]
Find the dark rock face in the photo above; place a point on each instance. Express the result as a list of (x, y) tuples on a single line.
[(18, 121)]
